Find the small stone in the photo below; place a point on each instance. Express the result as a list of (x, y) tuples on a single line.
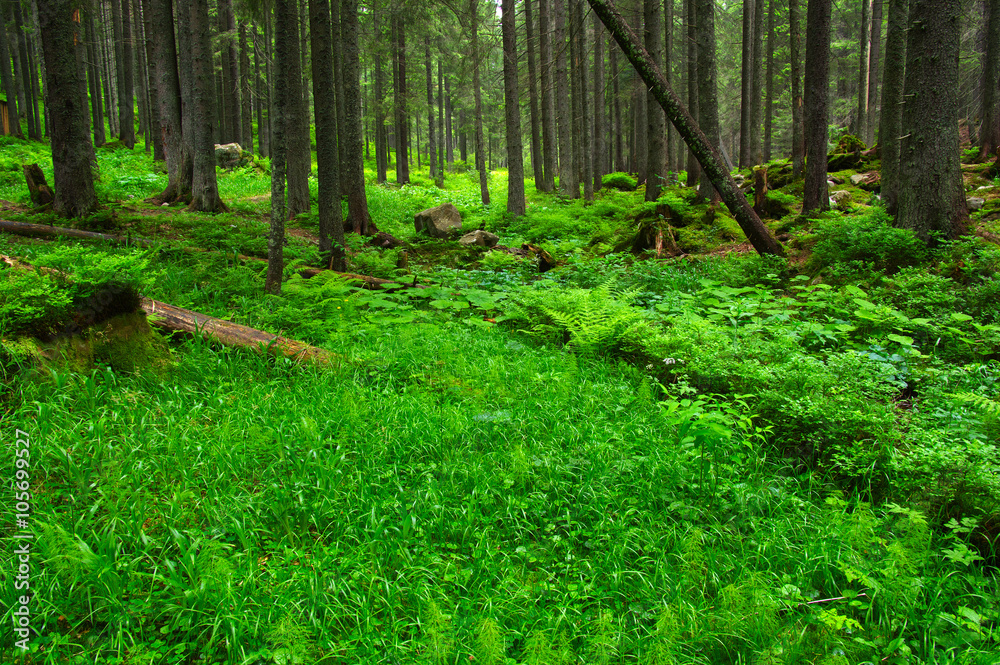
[(480, 238), (164, 204), (840, 199), (439, 221), (975, 203), (858, 178)]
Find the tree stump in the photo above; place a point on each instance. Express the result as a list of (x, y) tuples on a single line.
[(41, 193), (760, 190)]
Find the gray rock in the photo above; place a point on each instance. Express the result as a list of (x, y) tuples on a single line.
[(840, 199), (230, 155), (858, 178), (439, 221), (975, 203), (480, 238)]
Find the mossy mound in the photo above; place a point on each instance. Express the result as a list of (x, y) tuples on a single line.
[(125, 343)]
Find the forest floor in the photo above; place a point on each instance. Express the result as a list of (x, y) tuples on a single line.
[(701, 456)]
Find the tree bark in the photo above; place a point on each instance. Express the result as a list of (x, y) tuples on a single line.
[(600, 158), (746, 81), (891, 122), (178, 159), (693, 168), (331, 223), (204, 187), (989, 129), (708, 104), (586, 150), (27, 102), (815, 106), (548, 110), (769, 85), (512, 114), (756, 232), (149, 72), (563, 118), (795, 39), (931, 195), (484, 190), (399, 85), (873, 80), (357, 200), (864, 64), (72, 151), (246, 112), (230, 73), (126, 100), (7, 78), (655, 121), (577, 102), (381, 154), (756, 96), (537, 170), (284, 85), (263, 97), (298, 158), (431, 152), (441, 126), (94, 82)]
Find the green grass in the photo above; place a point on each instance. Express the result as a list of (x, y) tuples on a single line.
[(710, 460)]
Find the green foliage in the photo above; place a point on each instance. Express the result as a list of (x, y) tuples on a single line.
[(867, 240), (621, 181), (849, 143)]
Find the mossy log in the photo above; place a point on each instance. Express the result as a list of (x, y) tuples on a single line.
[(176, 319), (43, 231)]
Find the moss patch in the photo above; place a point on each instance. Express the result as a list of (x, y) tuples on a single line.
[(125, 343)]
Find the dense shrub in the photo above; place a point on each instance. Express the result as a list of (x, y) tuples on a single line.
[(620, 181), (867, 239)]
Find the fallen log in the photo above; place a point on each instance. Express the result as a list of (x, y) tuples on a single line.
[(367, 282), (176, 319), (43, 231)]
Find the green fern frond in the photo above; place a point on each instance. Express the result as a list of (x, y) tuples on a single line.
[(985, 404)]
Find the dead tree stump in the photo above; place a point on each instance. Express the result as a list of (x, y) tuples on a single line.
[(760, 190), (41, 193)]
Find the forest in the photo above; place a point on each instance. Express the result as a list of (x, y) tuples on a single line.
[(513, 331)]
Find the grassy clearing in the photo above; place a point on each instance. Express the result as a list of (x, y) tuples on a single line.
[(725, 459)]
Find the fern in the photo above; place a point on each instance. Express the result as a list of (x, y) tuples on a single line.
[(988, 406)]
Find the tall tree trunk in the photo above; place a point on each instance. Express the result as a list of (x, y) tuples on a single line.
[(338, 81), (655, 121), (536, 141), (284, 57), (29, 102), (357, 200), (548, 110), (989, 129), (126, 100), (707, 155), (798, 130), (576, 96), (586, 136), (110, 72), (874, 90), (769, 86), (864, 68), (449, 145), (512, 114), (891, 123), (563, 117), (616, 110), (484, 190), (931, 195), (262, 99), (431, 156), (746, 82), (204, 188), (149, 69), (142, 76), (186, 101), (693, 167), (178, 159), (381, 161), (298, 157), (815, 107), (7, 78), (402, 118), (708, 105), (72, 151), (94, 79), (600, 158), (639, 151), (441, 128), (246, 112), (757, 97), (331, 224), (668, 59), (230, 72)]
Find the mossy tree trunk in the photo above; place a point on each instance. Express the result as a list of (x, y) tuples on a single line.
[(891, 120), (816, 105), (72, 151), (512, 114)]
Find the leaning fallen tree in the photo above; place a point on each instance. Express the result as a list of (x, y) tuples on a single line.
[(758, 234), (171, 319)]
